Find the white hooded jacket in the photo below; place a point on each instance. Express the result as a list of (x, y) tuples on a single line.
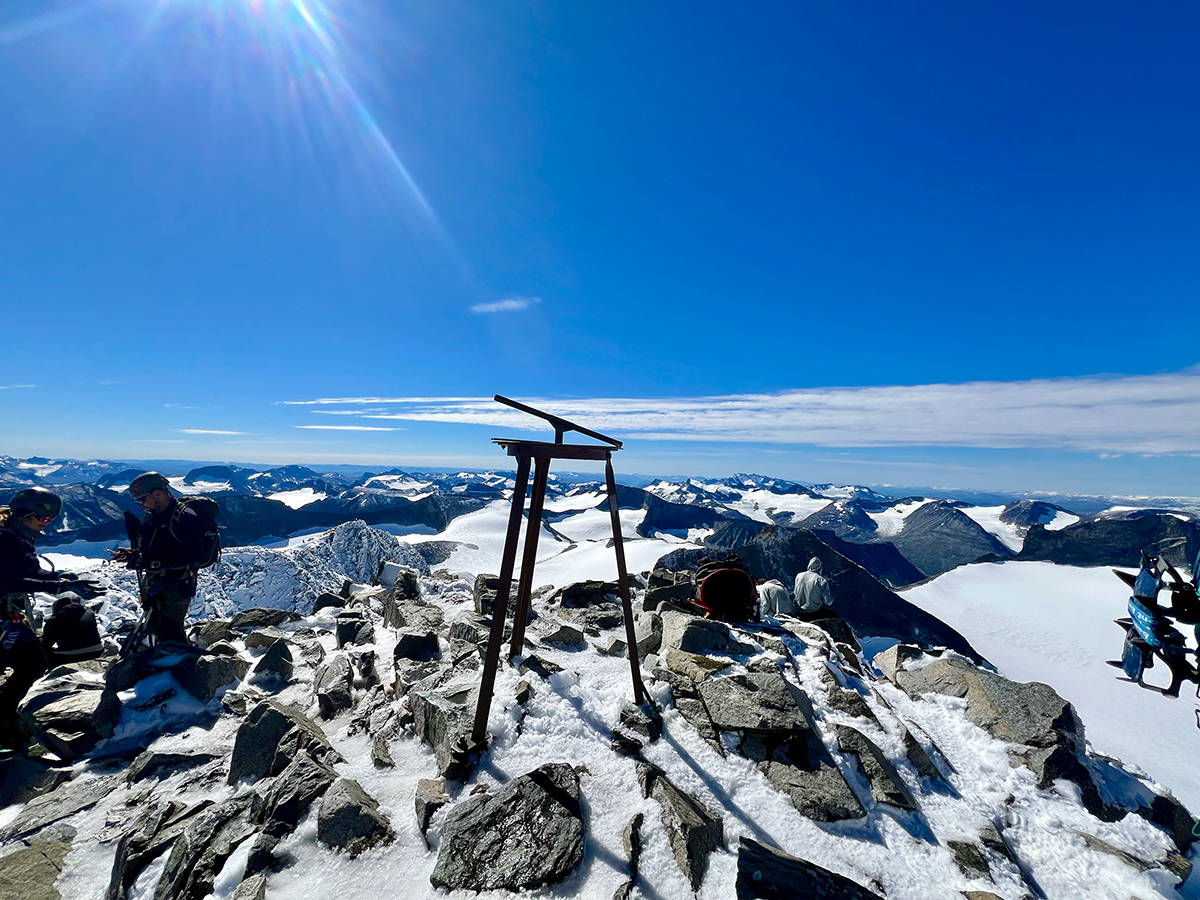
[(812, 590)]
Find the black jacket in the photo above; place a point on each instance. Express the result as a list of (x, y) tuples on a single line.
[(172, 549), (71, 632), (20, 569)]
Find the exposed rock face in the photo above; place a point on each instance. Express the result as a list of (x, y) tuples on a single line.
[(768, 874), (30, 873), (67, 800), (290, 795), (153, 764), (487, 842), (275, 664), (350, 820), (693, 830), (271, 736), (332, 686), (938, 537), (443, 715), (155, 827), (693, 634), (202, 675), (353, 628), (71, 710), (260, 617), (430, 797), (198, 854), (885, 781), (1114, 542), (417, 644)]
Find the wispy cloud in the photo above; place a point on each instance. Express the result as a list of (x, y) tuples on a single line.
[(508, 304), (1118, 414), (10, 387), (348, 428), (207, 431)]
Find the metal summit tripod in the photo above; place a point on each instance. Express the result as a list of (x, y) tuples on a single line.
[(539, 453)]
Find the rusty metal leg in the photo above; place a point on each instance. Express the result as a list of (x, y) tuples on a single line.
[(532, 531), (639, 690), (500, 607)]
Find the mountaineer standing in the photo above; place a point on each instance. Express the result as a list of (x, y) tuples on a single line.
[(177, 538)]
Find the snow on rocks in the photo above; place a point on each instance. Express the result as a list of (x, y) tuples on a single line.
[(769, 758)]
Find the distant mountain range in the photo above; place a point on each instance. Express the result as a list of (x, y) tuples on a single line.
[(901, 540)]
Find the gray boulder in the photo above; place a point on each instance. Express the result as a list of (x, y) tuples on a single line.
[(292, 792), (332, 686), (328, 600), (693, 830), (202, 675), (349, 819), (271, 736), (352, 627), (155, 827), (693, 634), (422, 646), (261, 617), (71, 710), (886, 784), (45, 810), (253, 888), (430, 797), (764, 873), (487, 842), (153, 764), (443, 714), (208, 632), (274, 665), (200, 852), (756, 701), (30, 872), (564, 635)]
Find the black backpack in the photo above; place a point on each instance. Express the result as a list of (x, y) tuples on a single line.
[(207, 509)]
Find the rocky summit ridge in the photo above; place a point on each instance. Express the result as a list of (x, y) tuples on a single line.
[(315, 744)]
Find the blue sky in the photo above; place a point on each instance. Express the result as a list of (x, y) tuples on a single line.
[(950, 246)]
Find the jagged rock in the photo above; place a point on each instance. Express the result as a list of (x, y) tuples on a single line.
[(693, 634), (405, 587), (155, 827), (638, 726), (614, 647), (484, 593), (328, 600), (472, 628), (311, 651), (487, 843), (332, 686), (802, 769), (1052, 763), (198, 855), (886, 784), (208, 632), (274, 665), (564, 635), (764, 873), (270, 737), (648, 631), (585, 593), (757, 701), (693, 666), (417, 645), (894, 659), (443, 715), (594, 619), (67, 800), (524, 691), (631, 839), (381, 756), (253, 888), (152, 764), (920, 758), (362, 665), (969, 859), (692, 709), (30, 872), (668, 592), (409, 672), (71, 709), (262, 856), (1168, 813), (23, 777), (349, 819), (538, 666), (693, 830), (430, 797), (1175, 863), (293, 792), (202, 675), (353, 628), (264, 637), (843, 699), (261, 617)]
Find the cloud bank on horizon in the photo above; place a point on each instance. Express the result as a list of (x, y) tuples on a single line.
[(1150, 414)]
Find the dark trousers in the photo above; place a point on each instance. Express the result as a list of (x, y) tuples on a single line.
[(167, 599), (28, 665)]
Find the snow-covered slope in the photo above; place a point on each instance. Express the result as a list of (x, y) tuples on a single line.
[(1042, 622)]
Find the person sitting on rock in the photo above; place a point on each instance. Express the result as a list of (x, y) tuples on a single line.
[(813, 597), (70, 635), (774, 599)]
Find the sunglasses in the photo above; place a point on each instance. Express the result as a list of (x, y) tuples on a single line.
[(143, 498), (44, 519)]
